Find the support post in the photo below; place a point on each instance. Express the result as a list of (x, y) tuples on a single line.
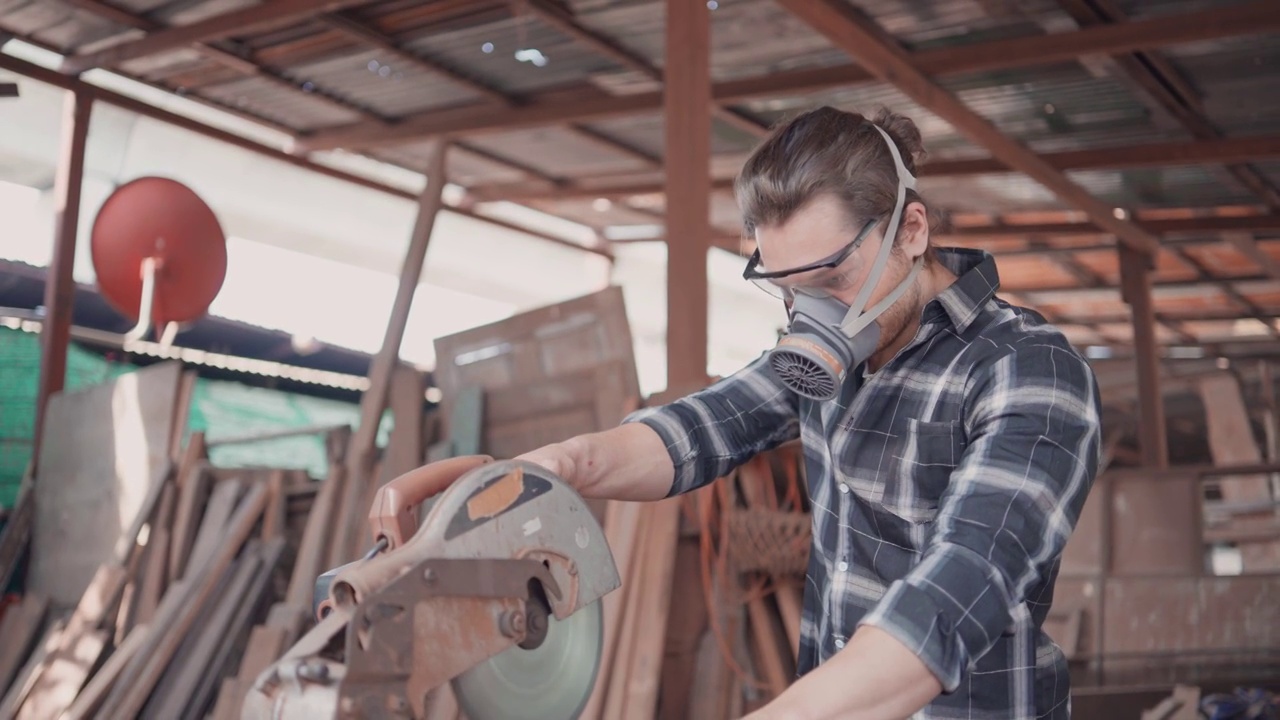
[(360, 453), (687, 118), (1135, 287), (59, 289)]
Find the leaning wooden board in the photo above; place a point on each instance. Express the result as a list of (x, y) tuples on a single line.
[(525, 350)]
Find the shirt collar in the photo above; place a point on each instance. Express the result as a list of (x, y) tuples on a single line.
[(976, 282)]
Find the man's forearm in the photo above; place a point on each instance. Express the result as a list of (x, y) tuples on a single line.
[(628, 462), (874, 677)]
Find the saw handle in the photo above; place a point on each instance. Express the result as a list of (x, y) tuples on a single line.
[(394, 513)]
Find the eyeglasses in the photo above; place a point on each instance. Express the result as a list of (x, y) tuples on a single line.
[(763, 278)]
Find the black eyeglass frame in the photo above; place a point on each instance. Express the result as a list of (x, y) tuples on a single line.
[(832, 261)]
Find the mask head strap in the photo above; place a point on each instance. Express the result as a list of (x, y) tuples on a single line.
[(853, 320)]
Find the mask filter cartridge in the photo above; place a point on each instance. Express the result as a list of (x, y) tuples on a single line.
[(814, 356)]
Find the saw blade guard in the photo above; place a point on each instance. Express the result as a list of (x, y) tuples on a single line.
[(499, 585), (511, 509)]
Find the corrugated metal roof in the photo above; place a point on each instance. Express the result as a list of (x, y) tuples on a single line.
[(55, 23), (1062, 106), (1238, 79), (266, 99), (465, 168), (386, 84), (559, 152), (645, 132), (1162, 187), (489, 51)]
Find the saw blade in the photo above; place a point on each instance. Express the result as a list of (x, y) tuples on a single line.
[(550, 682)]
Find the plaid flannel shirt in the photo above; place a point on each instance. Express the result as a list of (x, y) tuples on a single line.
[(943, 488)]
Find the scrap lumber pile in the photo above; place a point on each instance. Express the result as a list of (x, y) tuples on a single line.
[(207, 584), (211, 576)]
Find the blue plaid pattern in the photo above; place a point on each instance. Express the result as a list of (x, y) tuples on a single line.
[(943, 489)]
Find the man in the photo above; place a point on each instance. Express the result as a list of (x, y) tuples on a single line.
[(950, 438)]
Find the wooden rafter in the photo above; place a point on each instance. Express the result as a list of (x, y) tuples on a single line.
[(873, 49), (589, 104)]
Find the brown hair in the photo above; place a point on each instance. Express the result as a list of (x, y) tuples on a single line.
[(828, 151)]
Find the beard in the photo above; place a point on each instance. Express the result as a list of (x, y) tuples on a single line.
[(900, 316)]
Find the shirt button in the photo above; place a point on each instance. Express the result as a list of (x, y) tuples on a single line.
[(844, 488), (842, 566), (839, 642)]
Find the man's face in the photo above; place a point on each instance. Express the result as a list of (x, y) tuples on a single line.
[(822, 228)]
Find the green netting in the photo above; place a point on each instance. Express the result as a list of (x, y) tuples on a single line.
[(223, 408), (219, 408), (19, 378)]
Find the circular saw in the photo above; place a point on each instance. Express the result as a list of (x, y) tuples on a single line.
[(495, 594)]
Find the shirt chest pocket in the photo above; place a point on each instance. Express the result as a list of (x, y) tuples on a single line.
[(925, 455)]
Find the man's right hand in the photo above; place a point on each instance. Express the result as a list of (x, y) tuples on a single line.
[(554, 457), (628, 462)]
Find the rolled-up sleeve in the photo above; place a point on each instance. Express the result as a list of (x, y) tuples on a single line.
[(712, 431), (1033, 427)]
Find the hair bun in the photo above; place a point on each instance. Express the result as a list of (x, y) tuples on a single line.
[(905, 133)]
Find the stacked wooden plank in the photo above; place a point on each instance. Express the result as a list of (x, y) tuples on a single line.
[(213, 583), (208, 578), (707, 623)]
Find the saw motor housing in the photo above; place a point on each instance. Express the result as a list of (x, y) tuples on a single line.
[(506, 549)]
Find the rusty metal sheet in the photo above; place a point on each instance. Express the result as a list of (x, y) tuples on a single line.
[(1155, 526), (1152, 614)]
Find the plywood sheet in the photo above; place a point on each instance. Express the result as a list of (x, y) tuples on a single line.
[(106, 446)]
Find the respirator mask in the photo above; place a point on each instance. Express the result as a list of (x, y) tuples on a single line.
[(826, 337)]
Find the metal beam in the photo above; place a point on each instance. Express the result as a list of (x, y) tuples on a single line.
[(881, 55), (687, 140), (1251, 18), (1135, 270), (1248, 246), (59, 291), (1204, 225), (1165, 154), (360, 457)]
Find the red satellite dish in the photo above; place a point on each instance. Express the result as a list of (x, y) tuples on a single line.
[(156, 244)]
